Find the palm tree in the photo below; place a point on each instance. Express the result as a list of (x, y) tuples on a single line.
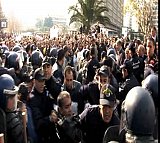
[(88, 12)]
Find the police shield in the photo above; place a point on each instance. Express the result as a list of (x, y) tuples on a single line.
[(111, 134), (3, 123)]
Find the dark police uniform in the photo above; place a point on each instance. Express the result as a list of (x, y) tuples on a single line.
[(89, 93), (53, 87), (41, 105), (91, 69), (93, 125), (58, 72)]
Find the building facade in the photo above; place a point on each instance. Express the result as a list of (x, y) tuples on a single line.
[(155, 14), (115, 15)]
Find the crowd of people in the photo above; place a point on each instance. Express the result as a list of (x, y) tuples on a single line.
[(79, 88)]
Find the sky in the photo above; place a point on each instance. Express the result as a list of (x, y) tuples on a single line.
[(28, 10)]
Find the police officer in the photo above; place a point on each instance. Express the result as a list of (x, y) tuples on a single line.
[(137, 63), (41, 104), (36, 59), (57, 68), (92, 65), (51, 83), (14, 61), (8, 103), (90, 93), (129, 83), (151, 84), (97, 118), (137, 118), (130, 79)]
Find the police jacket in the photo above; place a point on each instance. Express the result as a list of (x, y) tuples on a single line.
[(114, 83), (93, 126), (89, 93), (91, 69), (58, 72), (138, 67), (14, 128), (53, 87), (125, 87), (3, 70), (41, 105)]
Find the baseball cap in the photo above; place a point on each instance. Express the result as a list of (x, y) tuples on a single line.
[(39, 75), (127, 64), (46, 61), (107, 95), (104, 71)]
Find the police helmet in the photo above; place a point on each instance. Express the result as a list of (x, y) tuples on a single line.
[(111, 51), (16, 48), (13, 61), (5, 48), (138, 112), (53, 52), (7, 87), (36, 58), (1, 50), (112, 56), (151, 84), (24, 55)]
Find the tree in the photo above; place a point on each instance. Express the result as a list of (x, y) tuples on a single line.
[(88, 12), (143, 11), (48, 22), (39, 23), (44, 24)]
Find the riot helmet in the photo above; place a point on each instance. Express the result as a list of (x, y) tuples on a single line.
[(5, 48), (138, 112), (8, 93), (36, 59), (151, 84), (14, 61), (53, 52), (111, 51), (16, 48), (24, 56)]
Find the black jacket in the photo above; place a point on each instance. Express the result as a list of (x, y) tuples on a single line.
[(129, 83), (89, 93), (138, 67), (93, 126), (53, 87), (41, 105), (58, 72), (14, 128), (91, 69)]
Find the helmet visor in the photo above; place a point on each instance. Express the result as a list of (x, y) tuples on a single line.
[(123, 122), (11, 99)]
